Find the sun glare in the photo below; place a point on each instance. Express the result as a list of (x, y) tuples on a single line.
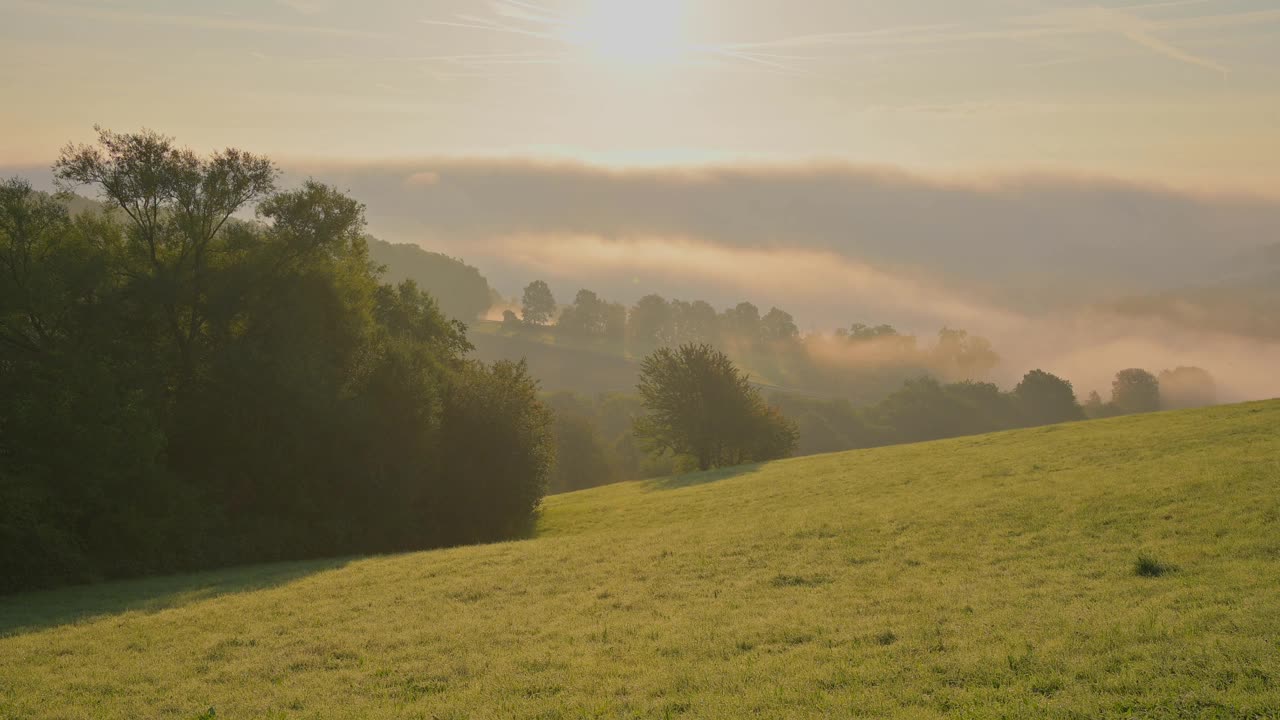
[(632, 32)]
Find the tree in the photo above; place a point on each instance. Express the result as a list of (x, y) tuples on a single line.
[(1094, 407), (922, 409), (615, 322), (778, 326), (1135, 391), (538, 305), (859, 331), (650, 322), (500, 453), (1187, 387), (983, 407), (959, 355), (510, 321), (177, 203), (695, 322), (700, 405), (581, 459), (585, 317), (1046, 399), (741, 323)]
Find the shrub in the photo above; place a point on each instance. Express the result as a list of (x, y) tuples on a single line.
[(1147, 566)]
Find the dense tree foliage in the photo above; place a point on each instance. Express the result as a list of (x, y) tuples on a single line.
[(538, 305), (864, 363), (460, 290), (1135, 391), (591, 317), (699, 405), (926, 409), (1045, 399), (186, 389)]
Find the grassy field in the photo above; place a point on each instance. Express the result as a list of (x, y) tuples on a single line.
[(992, 576)]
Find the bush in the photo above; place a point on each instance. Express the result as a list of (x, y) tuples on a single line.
[(700, 405), (1147, 566)]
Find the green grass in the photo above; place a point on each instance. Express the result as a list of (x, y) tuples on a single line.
[(990, 576)]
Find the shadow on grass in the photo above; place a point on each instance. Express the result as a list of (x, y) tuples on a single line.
[(34, 611), (675, 482)]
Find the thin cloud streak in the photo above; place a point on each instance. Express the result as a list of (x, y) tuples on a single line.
[(200, 22), (1126, 24), (538, 19)]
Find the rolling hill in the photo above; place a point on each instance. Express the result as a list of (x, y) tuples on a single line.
[(1118, 568)]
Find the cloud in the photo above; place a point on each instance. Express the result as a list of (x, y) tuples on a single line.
[(1089, 345), (424, 178), (1032, 262), (1038, 264), (1034, 239), (807, 277), (1136, 29), (1129, 23), (200, 22)]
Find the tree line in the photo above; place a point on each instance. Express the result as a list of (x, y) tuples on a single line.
[(923, 408), (859, 387), (186, 387), (861, 362)]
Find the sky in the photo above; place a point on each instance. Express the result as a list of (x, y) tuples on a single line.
[(1185, 92)]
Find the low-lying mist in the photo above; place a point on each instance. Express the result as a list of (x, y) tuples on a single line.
[(1081, 277), (1040, 239), (1085, 343)]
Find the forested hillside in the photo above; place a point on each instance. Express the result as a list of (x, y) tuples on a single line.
[(186, 389)]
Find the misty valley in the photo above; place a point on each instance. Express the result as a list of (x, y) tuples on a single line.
[(595, 359)]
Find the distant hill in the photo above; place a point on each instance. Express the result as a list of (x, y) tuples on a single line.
[(1119, 568), (1248, 306), (463, 293)]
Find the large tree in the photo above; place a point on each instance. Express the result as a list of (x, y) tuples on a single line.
[(1135, 391), (177, 204), (650, 322), (700, 405), (538, 306), (741, 324), (1045, 399), (778, 326), (585, 317)]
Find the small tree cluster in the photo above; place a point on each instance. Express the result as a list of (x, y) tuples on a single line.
[(700, 405)]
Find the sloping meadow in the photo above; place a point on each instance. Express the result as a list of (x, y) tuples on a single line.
[(1004, 575)]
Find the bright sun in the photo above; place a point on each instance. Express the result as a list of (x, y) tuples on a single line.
[(632, 32)]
